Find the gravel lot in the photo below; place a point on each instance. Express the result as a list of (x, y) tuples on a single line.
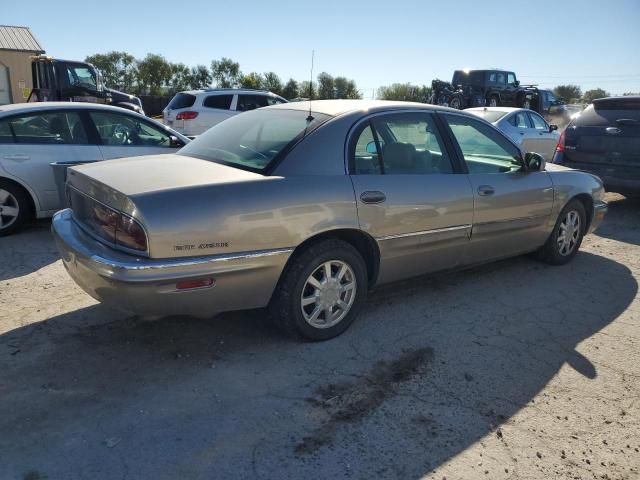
[(512, 370)]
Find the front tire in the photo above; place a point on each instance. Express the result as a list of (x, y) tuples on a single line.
[(566, 237), (14, 208), (321, 291)]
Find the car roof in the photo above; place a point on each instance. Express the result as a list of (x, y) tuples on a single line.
[(221, 91), (498, 109), (41, 106), (339, 107)]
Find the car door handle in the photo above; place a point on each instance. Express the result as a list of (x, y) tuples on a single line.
[(485, 190), (18, 157), (373, 197)]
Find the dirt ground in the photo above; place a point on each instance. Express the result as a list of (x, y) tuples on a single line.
[(515, 370)]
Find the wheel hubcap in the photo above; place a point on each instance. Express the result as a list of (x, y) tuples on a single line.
[(493, 102), (9, 209), (328, 294), (569, 233)]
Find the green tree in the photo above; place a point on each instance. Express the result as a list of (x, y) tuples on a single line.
[(272, 82), (571, 93), (251, 80), (226, 72), (180, 78), (154, 72), (326, 87), (200, 77), (307, 90), (118, 69), (591, 95), (345, 88), (405, 92), (290, 90)]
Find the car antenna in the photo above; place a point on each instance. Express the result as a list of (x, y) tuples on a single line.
[(310, 117)]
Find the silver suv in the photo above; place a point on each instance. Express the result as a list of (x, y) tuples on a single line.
[(195, 111)]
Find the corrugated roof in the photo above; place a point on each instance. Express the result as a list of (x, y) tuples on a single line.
[(18, 38)]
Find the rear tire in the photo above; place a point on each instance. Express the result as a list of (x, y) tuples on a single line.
[(311, 305), (493, 101), (566, 237), (455, 103), (15, 208)]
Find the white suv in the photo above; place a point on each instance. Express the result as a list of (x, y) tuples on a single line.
[(194, 111)]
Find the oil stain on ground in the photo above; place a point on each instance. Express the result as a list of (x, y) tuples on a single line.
[(350, 402)]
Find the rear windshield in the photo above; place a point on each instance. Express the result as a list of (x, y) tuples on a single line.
[(489, 115), (252, 141), (601, 116), (471, 78), (182, 100)]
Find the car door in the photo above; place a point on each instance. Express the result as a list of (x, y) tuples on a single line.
[(215, 109), (411, 195), (510, 89), (543, 139), (512, 206), (39, 139), (127, 135)]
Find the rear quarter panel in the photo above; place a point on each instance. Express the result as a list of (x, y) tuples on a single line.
[(268, 213), (568, 184)]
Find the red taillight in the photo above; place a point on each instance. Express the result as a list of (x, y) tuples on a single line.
[(118, 228), (199, 283), (560, 146), (186, 115), (130, 234)]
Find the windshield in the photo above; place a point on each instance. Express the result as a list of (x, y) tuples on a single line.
[(489, 115), (252, 140)]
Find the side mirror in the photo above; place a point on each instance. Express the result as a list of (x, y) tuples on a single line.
[(534, 162), (517, 83), (553, 127), (175, 141), (371, 148)]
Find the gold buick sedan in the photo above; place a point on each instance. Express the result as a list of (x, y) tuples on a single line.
[(303, 207)]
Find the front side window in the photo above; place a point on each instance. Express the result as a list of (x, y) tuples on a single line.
[(253, 140), (128, 131), (251, 102), (408, 144), (484, 150), (5, 132), (511, 79), (47, 128), (538, 122), (222, 102)]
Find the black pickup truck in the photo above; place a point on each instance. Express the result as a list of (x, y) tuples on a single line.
[(493, 88)]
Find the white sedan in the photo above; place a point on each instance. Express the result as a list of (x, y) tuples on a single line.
[(35, 135), (524, 127)]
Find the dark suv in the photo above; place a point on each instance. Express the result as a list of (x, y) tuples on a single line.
[(477, 88), (605, 140)]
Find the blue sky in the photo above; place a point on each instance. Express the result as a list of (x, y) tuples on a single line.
[(590, 43)]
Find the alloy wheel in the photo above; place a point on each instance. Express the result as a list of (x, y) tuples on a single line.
[(9, 209), (493, 102), (569, 233), (328, 294)]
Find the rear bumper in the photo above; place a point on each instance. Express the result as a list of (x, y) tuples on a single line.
[(147, 286), (615, 179)]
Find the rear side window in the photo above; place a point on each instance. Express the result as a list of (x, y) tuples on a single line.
[(182, 100), (605, 117), (222, 102), (251, 102), (519, 120), (48, 128)]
